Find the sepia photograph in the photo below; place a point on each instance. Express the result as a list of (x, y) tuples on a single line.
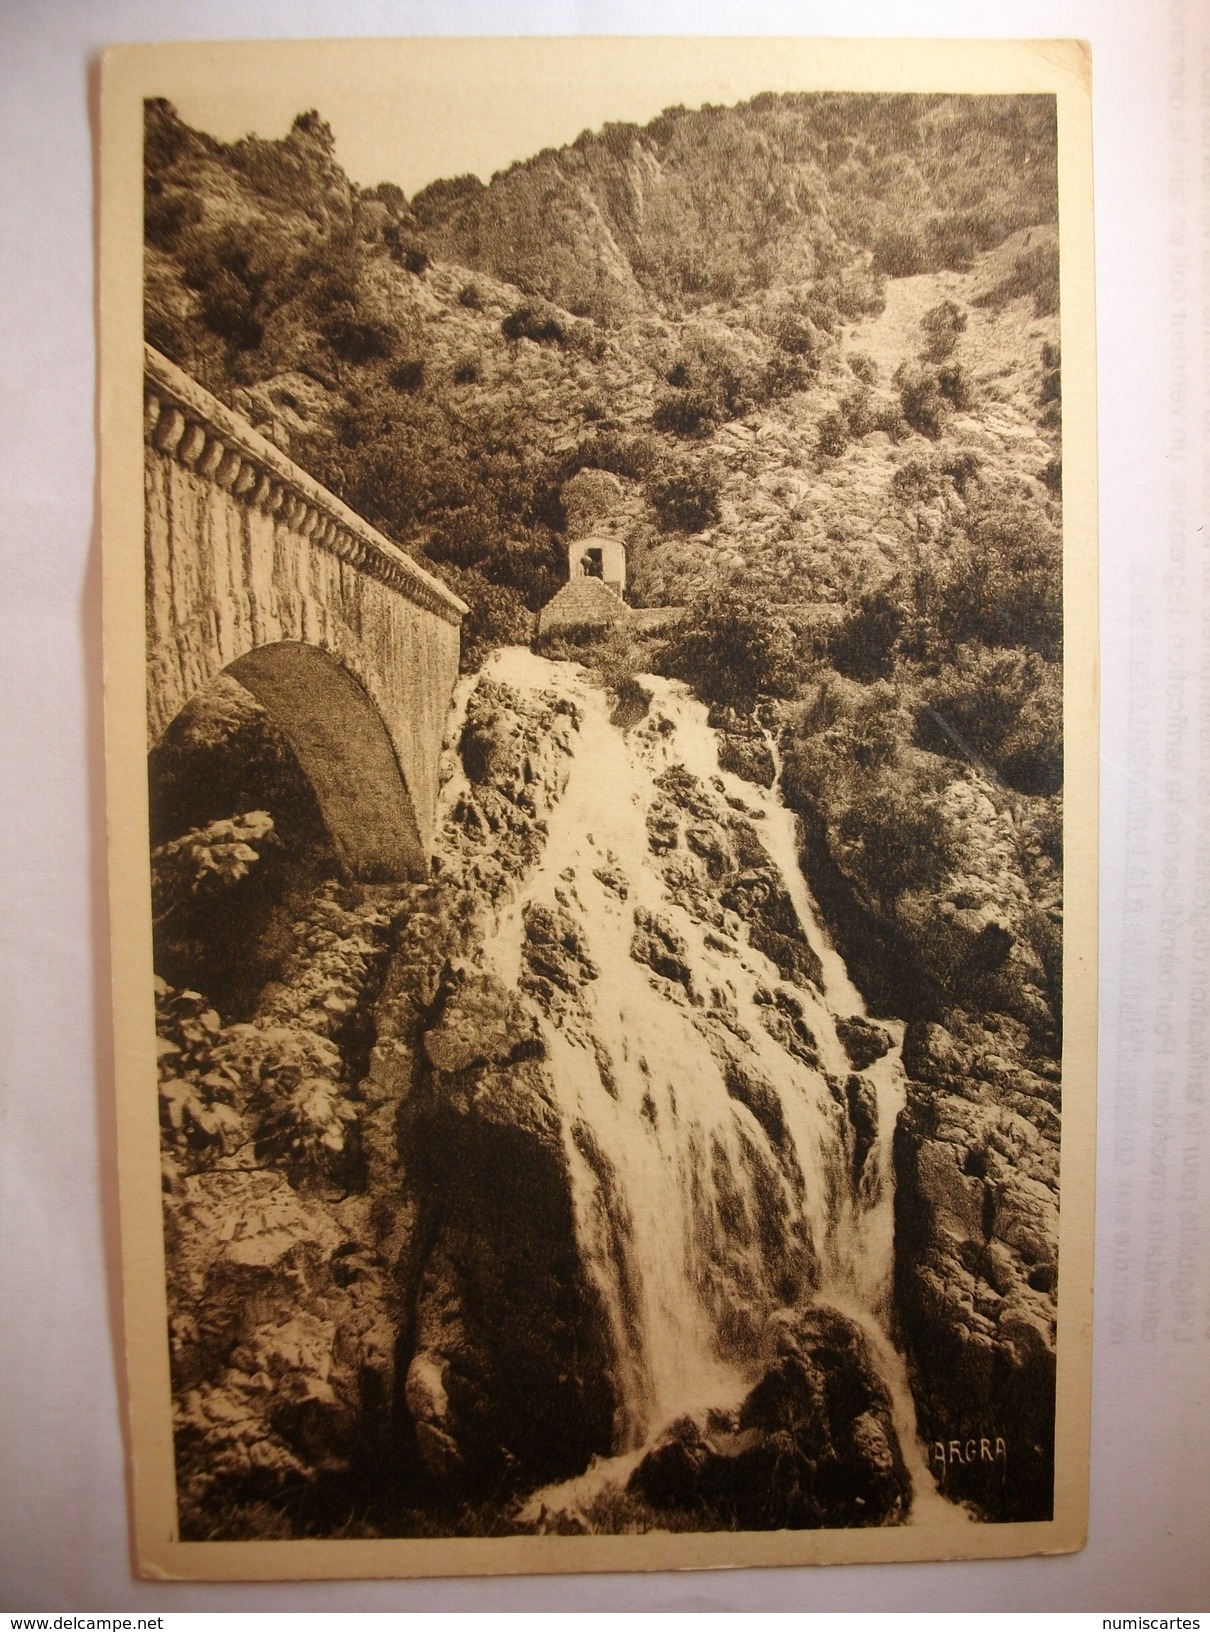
[(603, 979)]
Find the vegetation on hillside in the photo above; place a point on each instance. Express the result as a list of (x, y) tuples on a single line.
[(859, 507), (802, 357), (328, 311)]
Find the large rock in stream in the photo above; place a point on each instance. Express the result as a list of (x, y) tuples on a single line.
[(812, 1446), (508, 1383)]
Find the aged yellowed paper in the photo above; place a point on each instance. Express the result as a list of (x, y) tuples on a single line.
[(601, 713)]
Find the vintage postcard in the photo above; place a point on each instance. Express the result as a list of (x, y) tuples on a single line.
[(601, 700)]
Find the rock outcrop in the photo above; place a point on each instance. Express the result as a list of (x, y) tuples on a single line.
[(811, 1446), (976, 1220), (507, 1382), (742, 746), (283, 1304), (716, 865)]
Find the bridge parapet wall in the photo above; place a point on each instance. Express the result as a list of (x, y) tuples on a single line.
[(183, 420), (252, 566)]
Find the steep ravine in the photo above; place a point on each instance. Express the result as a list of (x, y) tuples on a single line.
[(652, 966), (728, 1115), (606, 1237)]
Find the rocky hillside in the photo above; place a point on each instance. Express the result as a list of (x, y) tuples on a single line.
[(433, 363), (717, 205), (803, 357), (564, 1155)]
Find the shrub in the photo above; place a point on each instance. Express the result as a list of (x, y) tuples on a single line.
[(732, 648), (358, 339), (470, 297), (404, 251), (1052, 377), (864, 367), (825, 317), (895, 840), (952, 243), (924, 407), (849, 764), (634, 454), (954, 385), (1008, 705), (166, 215), (225, 311), (783, 376), (888, 418), (571, 641), (863, 646), (464, 538), (534, 323), (390, 196), (440, 200), (900, 253), (963, 469), (588, 497), (534, 568), (686, 413), (233, 277), (796, 336), (632, 699), (942, 324), (1003, 583), (408, 377), (915, 482), (713, 381), (497, 617), (684, 498), (857, 408), (832, 435)]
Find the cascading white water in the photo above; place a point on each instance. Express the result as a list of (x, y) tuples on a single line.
[(698, 1216)]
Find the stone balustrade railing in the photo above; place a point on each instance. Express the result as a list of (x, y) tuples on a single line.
[(187, 424)]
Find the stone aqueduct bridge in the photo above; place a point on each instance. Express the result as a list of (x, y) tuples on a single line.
[(255, 569)]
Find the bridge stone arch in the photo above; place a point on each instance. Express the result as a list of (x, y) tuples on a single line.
[(345, 752), (255, 569)]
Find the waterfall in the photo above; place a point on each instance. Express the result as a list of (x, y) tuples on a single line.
[(717, 1174)]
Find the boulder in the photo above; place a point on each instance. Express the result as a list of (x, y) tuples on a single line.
[(748, 757), (930, 1054), (553, 951), (861, 1102), (862, 1040), (812, 1446), (658, 945), (478, 1023)]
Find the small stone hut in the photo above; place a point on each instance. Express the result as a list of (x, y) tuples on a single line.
[(592, 596), (600, 555)]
